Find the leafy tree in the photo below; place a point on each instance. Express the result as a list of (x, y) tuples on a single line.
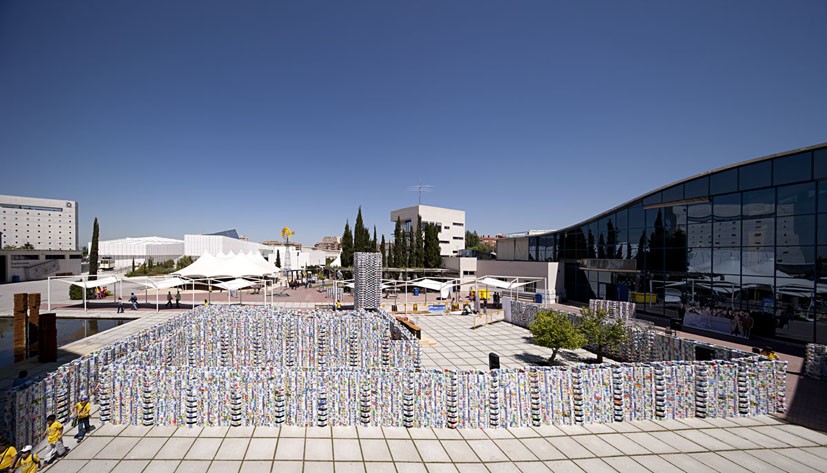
[(27, 246), (347, 247), (93, 252), (601, 332), (382, 250), (433, 257), (183, 262), (471, 239), (554, 330)]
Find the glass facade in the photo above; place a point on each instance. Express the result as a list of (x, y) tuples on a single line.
[(749, 239)]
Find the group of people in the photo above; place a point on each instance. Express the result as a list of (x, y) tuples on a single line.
[(101, 292), (177, 299), (27, 460)]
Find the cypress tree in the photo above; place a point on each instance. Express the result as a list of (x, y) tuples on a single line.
[(433, 256), (361, 237), (400, 248), (347, 247), (420, 244), (374, 242), (93, 252), (382, 250), (278, 259)]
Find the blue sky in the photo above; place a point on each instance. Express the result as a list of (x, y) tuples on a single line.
[(165, 118)]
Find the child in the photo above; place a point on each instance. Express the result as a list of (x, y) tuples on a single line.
[(54, 436), (28, 461), (82, 410), (9, 455)]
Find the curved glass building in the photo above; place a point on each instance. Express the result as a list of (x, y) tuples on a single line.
[(748, 241)]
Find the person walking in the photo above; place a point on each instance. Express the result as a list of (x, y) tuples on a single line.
[(169, 299), (8, 457), (28, 461), (177, 298), (54, 437), (120, 305), (133, 299), (82, 410)]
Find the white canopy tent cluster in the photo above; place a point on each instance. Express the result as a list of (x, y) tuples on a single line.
[(232, 271)]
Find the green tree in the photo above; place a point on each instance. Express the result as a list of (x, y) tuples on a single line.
[(93, 252), (374, 243), (471, 239), (601, 333), (361, 235), (552, 329), (27, 246), (433, 257), (391, 255), (419, 244), (347, 247), (382, 250), (278, 259), (400, 246), (183, 262)]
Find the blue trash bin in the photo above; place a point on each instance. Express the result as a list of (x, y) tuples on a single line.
[(416, 291), (15, 278), (538, 298)]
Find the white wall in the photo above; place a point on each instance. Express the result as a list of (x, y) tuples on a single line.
[(553, 272), (197, 245), (451, 228), (40, 268)]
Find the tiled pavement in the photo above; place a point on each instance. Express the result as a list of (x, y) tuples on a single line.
[(694, 445)]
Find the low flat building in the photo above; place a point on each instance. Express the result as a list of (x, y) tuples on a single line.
[(33, 265)]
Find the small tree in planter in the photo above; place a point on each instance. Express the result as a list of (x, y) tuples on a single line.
[(601, 333), (554, 330)]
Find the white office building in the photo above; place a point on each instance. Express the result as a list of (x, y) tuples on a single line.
[(46, 224), (126, 251), (451, 224)]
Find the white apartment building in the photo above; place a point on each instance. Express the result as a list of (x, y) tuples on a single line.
[(47, 224), (451, 225)]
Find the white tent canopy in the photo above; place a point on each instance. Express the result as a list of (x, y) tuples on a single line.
[(230, 265), (235, 284), (157, 283), (486, 281), (95, 283)]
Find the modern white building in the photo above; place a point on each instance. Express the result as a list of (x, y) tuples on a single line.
[(125, 251), (451, 224), (46, 224), (197, 245)]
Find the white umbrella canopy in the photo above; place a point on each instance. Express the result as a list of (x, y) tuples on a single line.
[(230, 265)]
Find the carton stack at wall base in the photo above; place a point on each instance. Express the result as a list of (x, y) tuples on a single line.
[(21, 304), (815, 361), (251, 366), (367, 280)]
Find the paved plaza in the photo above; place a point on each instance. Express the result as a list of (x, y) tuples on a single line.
[(759, 444)]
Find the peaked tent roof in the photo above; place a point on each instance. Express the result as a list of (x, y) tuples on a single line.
[(228, 266)]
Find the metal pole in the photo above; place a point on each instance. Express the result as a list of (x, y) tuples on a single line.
[(49, 294), (84, 296), (157, 305)]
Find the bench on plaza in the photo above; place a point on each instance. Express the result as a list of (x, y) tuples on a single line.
[(414, 329), (325, 306)]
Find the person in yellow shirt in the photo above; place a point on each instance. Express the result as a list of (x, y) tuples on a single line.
[(28, 461), (82, 410), (54, 436), (8, 456)]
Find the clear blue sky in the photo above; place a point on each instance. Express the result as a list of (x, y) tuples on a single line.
[(165, 118)]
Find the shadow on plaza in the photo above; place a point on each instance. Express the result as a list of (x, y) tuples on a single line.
[(564, 358)]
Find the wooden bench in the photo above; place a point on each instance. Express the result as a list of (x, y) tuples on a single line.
[(414, 329)]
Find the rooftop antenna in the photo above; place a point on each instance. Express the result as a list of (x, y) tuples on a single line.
[(420, 188)]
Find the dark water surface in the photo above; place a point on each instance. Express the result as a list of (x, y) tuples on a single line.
[(68, 331)]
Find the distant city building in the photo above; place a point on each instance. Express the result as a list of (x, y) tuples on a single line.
[(451, 224), (490, 241), (329, 243), (45, 224)]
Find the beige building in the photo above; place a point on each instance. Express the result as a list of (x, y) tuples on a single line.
[(451, 224), (46, 224)]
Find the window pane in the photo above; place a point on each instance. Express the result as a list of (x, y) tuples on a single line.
[(798, 230), (796, 261), (759, 203), (795, 168), (622, 219), (755, 175), (699, 235), (699, 260), (673, 193), (821, 234), (822, 196), (697, 188), (726, 233), (759, 261), (724, 182), (652, 199), (758, 232), (727, 207), (637, 217), (796, 199), (820, 163), (726, 261), (699, 213), (821, 261)]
